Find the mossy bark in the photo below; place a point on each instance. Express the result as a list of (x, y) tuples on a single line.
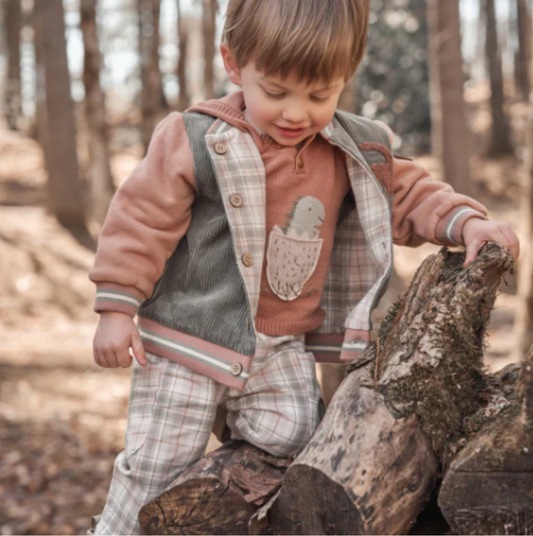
[(400, 412), (489, 486)]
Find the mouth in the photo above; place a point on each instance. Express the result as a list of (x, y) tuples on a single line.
[(290, 132)]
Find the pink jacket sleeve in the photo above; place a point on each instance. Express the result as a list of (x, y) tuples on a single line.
[(424, 209), (148, 216), (427, 210)]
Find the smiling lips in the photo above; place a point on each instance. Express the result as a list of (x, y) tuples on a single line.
[(290, 132)]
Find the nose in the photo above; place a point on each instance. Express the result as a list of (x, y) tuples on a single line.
[(294, 113)]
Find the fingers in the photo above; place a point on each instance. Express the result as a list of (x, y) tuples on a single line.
[(100, 359), (472, 250), (123, 358), (512, 242), (138, 348)]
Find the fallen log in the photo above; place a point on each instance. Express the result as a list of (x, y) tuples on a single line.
[(392, 427), (398, 415), (218, 494), (489, 486)]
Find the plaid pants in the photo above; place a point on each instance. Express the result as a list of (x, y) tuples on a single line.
[(172, 410)]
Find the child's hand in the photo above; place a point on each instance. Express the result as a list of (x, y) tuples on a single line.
[(115, 334), (477, 232)]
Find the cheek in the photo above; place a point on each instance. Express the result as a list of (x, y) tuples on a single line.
[(323, 117), (263, 112)]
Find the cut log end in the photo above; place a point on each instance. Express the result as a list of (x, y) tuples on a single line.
[(310, 503)]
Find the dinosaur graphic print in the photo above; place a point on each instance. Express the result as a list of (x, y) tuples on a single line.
[(293, 251)]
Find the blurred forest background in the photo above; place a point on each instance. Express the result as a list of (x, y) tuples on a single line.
[(82, 85)]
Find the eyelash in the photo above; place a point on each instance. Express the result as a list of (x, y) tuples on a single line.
[(279, 96)]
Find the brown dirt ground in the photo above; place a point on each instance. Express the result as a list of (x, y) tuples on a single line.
[(62, 418)]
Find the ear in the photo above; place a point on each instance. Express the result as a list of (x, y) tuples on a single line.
[(234, 72)]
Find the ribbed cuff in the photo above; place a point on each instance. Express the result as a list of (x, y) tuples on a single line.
[(449, 230), (113, 297), (355, 343)]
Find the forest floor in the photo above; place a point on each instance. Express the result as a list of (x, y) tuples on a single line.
[(62, 418)]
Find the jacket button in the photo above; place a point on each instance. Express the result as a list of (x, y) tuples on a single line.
[(247, 259), (236, 368), (221, 148), (235, 200)]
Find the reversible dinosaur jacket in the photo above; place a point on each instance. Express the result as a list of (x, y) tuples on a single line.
[(192, 247)]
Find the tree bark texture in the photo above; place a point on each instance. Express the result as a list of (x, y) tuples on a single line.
[(398, 415), (152, 85), (13, 93), (523, 54), (218, 494), (500, 142), (63, 175), (489, 486), (524, 315), (184, 100), (210, 8), (41, 120), (100, 177), (450, 132)]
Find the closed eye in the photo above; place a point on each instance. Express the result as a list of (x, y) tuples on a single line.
[(275, 95)]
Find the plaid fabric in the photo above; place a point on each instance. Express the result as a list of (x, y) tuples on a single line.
[(171, 414), (240, 170), (361, 257)]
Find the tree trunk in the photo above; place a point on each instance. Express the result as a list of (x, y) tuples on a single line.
[(524, 314), (41, 120), (101, 179), (218, 494), (374, 459), (450, 132), (523, 54), (488, 488), (500, 142), (151, 91), (63, 175), (210, 8), (13, 94), (183, 36)]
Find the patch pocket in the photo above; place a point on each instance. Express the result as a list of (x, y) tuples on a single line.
[(290, 263), (145, 383)]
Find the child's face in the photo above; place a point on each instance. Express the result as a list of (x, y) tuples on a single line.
[(286, 109)]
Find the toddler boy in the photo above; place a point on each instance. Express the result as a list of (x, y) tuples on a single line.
[(255, 237)]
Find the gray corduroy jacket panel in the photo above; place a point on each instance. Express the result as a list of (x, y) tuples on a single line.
[(202, 291)]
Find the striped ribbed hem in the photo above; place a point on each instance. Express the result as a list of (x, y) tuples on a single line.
[(325, 347), (354, 344), (111, 297), (449, 230), (216, 362)]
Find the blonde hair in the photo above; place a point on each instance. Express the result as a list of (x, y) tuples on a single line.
[(315, 39)]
